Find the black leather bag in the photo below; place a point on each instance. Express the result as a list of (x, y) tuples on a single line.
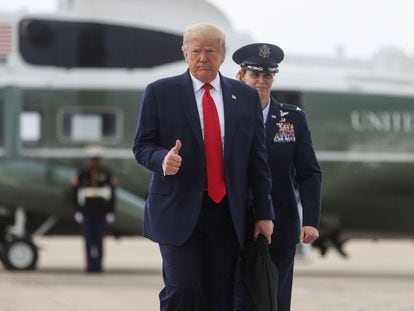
[(259, 275)]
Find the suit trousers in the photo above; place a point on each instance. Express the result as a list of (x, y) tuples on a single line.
[(199, 275)]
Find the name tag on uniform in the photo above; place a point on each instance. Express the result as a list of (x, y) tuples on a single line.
[(285, 134)]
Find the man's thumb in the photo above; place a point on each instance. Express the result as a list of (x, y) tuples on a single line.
[(177, 146)]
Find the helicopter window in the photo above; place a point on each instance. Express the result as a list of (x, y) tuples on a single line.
[(71, 44), (89, 126), (30, 126)]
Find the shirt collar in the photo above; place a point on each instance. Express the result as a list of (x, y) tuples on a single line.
[(265, 112), (197, 84)]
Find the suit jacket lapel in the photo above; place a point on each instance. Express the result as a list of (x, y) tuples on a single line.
[(230, 105), (189, 105)]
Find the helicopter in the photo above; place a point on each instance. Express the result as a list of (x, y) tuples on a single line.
[(75, 78)]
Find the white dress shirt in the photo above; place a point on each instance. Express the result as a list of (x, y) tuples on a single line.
[(217, 95), (265, 112)]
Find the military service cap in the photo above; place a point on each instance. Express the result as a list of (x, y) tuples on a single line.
[(94, 151), (262, 57)]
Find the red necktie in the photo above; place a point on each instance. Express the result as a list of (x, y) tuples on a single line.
[(213, 148)]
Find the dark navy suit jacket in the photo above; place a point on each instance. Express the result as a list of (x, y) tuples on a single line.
[(292, 162), (169, 112)]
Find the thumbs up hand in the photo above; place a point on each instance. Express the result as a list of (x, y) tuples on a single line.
[(172, 160), (177, 147)]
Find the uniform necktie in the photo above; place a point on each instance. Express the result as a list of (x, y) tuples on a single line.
[(213, 148)]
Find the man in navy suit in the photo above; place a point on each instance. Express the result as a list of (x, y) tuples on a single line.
[(292, 162), (202, 137)]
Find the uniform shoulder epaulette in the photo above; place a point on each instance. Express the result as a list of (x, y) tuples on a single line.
[(289, 107)]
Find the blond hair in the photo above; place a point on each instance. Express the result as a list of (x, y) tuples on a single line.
[(240, 74), (205, 31)]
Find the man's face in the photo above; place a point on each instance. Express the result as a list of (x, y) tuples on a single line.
[(204, 58), (94, 162)]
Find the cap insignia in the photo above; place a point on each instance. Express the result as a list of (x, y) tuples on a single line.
[(264, 51)]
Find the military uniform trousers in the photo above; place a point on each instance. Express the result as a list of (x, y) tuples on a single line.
[(283, 258), (94, 229)]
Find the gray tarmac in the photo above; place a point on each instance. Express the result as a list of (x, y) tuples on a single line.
[(378, 276)]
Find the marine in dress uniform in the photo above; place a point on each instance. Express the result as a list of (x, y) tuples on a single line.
[(94, 196), (292, 161)]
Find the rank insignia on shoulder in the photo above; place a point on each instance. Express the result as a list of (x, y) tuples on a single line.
[(285, 134)]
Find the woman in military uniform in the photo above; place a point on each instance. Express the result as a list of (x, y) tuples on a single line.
[(292, 162)]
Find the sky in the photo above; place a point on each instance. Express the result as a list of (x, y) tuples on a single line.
[(358, 28)]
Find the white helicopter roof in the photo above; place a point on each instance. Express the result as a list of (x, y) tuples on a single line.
[(297, 72)]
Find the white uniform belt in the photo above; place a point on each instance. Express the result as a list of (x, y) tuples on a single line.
[(93, 192)]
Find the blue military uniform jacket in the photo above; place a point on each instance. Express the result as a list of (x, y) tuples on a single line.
[(293, 164)]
